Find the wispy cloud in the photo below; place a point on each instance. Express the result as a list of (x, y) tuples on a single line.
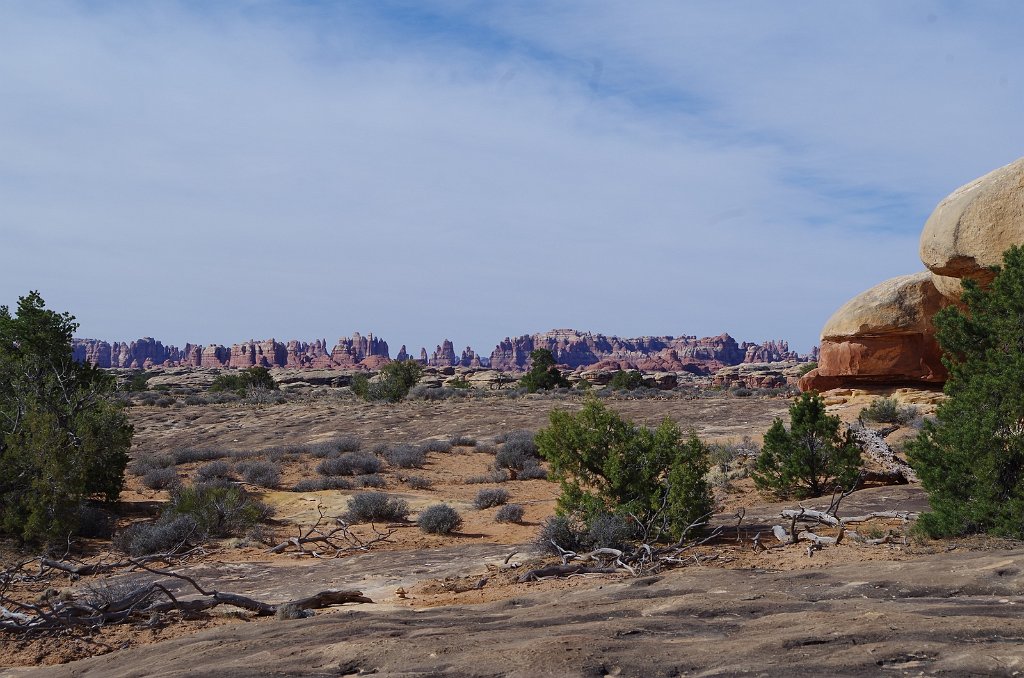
[(471, 171)]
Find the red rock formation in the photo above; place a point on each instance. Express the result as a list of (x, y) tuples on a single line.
[(575, 349), (403, 355), (444, 355)]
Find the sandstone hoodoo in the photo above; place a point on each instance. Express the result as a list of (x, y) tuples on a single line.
[(688, 353), (571, 349), (972, 227), (882, 336), (885, 336)]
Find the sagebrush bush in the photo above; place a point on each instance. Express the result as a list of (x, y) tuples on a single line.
[(437, 446), (349, 464), (368, 507), (439, 519), (425, 392), (406, 456), (497, 475), (214, 470), (419, 482), (564, 531), (170, 534), (510, 513), (161, 478), (889, 411), (609, 531), (260, 473), (218, 510), (490, 496), (459, 440), (322, 483), (188, 455), (518, 452), (370, 480), (532, 471)]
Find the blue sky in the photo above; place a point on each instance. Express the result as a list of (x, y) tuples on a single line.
[(214, 172)]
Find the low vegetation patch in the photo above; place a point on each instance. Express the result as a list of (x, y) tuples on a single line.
[(369, 507), (491, 496), (439, 519), (510, 513)]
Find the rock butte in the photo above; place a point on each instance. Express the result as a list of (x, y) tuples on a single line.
[(885, 336), (571, 349)]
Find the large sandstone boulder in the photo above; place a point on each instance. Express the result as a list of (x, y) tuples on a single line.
[(882, 336), (972, 227)]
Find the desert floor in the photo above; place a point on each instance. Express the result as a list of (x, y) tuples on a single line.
[(450, 605)]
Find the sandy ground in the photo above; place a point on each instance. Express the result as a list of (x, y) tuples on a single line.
[(750, 604)]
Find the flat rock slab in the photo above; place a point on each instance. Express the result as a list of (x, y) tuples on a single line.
[(952, 614)]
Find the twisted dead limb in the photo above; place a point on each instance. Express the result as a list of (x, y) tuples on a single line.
[(56, 615), (332, 543)]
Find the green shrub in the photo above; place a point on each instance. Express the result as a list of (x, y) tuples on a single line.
[(368, 507), (136, 382), (458, 382), (971, 458), (439, 519), (218, 510), (241, 381), (888, 411), (544, 374), (392, 383), (809, 459), (608, 465), (63, 435), (807, 367), (626, 380)]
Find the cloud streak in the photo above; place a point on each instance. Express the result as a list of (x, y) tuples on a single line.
[(296, 170)]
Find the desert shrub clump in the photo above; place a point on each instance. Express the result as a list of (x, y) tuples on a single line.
[(406, 456), (809, 459), (439, 519), (888, 411), (322, 483), (490, 496), (240, 382), (219, 510), (392, 383), (971, 457), (260, 472), (161, 478), (349, 464), (626, 380), (519, 456), (368, 507), (607, 465), (510, 513), (544, 374)]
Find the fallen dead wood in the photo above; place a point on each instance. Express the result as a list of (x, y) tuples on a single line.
[(87, 610), (564, 570), (874, 446), (329, 542)]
